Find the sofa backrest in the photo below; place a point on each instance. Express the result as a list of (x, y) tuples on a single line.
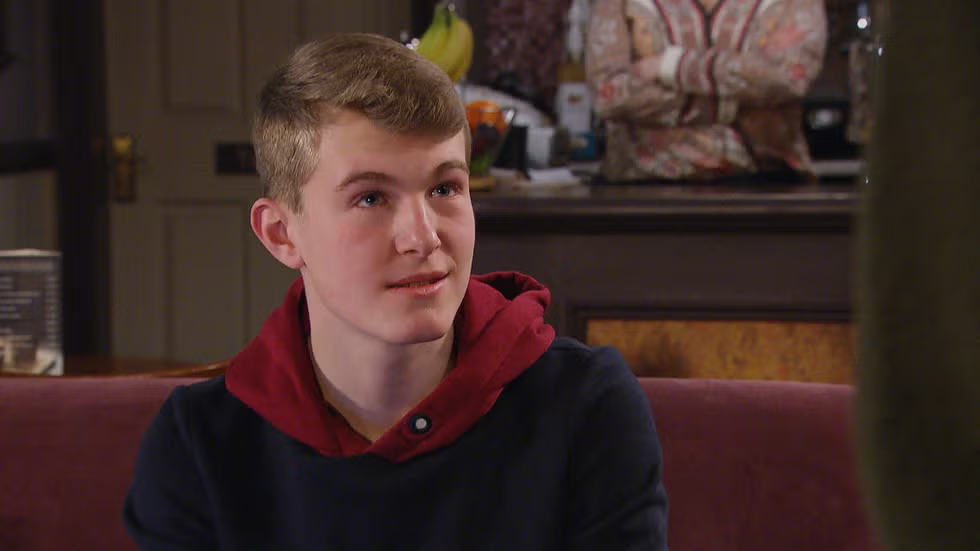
[(67, 447), (748, 465), (752, 465)]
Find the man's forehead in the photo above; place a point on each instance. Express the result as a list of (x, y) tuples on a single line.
[(338, 120)]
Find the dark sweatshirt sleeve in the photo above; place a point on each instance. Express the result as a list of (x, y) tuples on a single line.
[(616, 497), (167, 507)]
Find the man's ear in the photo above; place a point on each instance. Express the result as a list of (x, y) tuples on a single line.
[(270, 222)]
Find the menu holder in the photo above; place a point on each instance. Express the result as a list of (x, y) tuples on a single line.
[(30, 312)]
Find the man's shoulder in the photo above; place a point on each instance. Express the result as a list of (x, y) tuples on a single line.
[(207, 401), (571, 363), (206, 391), (566, 353)]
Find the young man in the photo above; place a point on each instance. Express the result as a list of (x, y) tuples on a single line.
[(393, 401)]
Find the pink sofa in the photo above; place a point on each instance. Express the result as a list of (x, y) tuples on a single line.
[(748, 465)]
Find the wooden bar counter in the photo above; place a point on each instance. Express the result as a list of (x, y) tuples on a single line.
[(688, 280)]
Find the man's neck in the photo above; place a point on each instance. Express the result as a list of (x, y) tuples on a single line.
[(374, 387)]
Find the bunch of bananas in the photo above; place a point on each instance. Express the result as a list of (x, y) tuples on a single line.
[(448, 42)]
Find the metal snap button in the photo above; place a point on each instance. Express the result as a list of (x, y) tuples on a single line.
[(420, 424)]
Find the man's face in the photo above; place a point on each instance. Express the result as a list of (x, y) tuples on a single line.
[(386, 233)]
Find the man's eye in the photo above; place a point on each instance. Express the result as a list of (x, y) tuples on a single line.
[(445, 190), (369, 200)]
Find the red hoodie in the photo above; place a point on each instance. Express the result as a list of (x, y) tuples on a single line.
[(500, 332)]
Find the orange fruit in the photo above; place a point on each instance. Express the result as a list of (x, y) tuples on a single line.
[(485, 112)]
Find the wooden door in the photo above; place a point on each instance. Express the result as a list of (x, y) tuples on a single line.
[(189, 280)]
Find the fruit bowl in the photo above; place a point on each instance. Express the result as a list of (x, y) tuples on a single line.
[(489, 124)]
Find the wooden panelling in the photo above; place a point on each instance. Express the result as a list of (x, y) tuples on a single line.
[(385, 17), (266, 285), (732, 349), (271, 30), (206, 262), (197, 78), (137, 272)]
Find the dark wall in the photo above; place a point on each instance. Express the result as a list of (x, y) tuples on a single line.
[(25, 75)]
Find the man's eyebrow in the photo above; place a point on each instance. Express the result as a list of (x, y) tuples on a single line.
[(450, 165), (374, 176), (368, 175)]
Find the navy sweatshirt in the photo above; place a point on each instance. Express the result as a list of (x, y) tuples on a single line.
[(533, 443)]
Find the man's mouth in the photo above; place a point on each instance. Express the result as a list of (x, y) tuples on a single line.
[(420, 280), (419, 284)]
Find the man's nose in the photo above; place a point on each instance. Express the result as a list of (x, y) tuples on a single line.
[(415, 229)]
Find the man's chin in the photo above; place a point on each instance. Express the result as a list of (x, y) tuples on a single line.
[(422, 337), (422, 332)]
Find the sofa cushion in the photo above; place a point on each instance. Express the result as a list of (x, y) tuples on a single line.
[(752, 465), (67, 447)]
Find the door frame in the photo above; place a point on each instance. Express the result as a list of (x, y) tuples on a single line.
[(78, 64)]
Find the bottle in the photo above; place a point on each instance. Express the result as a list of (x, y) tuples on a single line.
[(863, 52), (573, 103)]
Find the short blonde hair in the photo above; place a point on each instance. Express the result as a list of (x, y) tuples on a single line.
[(374, 76)]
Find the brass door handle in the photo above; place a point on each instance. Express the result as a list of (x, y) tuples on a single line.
[(123, 161)]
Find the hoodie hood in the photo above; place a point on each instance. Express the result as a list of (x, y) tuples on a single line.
[(499, 332)]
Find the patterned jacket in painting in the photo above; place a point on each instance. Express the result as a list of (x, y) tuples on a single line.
[(704, 88)]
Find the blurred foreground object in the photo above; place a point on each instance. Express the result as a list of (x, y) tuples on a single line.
[(919, 288)]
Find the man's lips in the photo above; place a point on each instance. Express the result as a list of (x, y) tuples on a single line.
[(420, 280)]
